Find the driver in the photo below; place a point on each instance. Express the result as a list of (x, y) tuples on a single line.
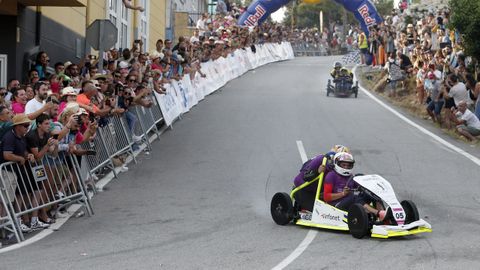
[(345, 73), (335, 73), (338, 186), (309, 171)]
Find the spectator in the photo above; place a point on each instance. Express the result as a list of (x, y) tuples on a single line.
[(420, 80), (435, 104), (221, 7), (19, 100), (6, 124), (29, 92), (395, 75), (88, 92), (33, 76), (363, 46), (38, 101), (467, 123), (11, 85), (41, 64), (14, 148)]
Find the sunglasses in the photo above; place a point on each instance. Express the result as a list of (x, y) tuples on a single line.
[(3, 94), (117, 76), (26, 125), (132, 80)]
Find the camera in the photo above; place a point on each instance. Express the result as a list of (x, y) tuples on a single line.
[(78, 119), (91, 117)]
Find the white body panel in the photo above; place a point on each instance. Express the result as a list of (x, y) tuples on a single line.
[(382, 188), (326, 214)]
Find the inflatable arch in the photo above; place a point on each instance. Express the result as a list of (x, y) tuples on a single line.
[(259, 10)]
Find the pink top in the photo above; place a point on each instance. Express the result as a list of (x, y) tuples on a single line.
[(18, 107), (61, 107)]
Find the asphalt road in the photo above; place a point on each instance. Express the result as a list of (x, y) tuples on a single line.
[(201, 199)]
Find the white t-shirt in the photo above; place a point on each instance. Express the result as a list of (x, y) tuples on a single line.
[(458, 92), (33, 105), (471, 119)]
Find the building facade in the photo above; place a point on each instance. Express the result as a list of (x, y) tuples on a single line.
[(59, 26)]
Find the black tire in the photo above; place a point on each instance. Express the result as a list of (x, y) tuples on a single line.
[(411, 211), (358, 223), (281, 208)]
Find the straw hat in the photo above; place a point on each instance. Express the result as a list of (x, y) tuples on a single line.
[(20, 119)]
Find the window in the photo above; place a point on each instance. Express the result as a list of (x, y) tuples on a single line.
[(3, 70), (143, 26), (120, 16)]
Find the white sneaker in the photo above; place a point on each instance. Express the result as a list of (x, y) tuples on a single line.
[(39, 225), (136, 138), (24, 228), (124, 168)]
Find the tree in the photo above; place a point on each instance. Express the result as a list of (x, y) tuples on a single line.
[(384, 7), (464, 18), (308, 15)]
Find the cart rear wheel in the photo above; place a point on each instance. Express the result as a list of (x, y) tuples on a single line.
[(281, 208), (358, 223), (411, 211)]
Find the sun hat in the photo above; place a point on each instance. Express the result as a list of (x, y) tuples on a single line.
[(20, 119)]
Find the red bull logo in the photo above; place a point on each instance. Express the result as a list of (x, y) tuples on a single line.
[(253, 19), (365, 13)]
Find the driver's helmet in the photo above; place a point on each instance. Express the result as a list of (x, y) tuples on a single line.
[(338, 148), (343, 163), (337, 65)]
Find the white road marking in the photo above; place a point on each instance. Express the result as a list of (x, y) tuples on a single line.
[(298, 251), (44, 233), (311, 233), (458, 150), (301, 150)]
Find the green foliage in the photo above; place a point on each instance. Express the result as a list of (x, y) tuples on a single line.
[(466, 20), (308, 15), (384, 7)]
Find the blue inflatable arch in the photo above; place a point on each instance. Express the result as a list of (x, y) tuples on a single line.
[(259, 10)]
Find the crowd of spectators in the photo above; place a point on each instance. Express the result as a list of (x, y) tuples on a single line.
[(419, 46), (330, 41), (53, 109)]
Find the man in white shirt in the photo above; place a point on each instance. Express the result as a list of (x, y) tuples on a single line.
[(202, 24), (457, 93), (468, 124), (37, 103)]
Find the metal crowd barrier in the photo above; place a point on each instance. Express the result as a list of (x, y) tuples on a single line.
[(309, 49), (37, 186), (50, 184)]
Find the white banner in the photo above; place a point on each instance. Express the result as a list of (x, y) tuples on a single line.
[(169, 105)]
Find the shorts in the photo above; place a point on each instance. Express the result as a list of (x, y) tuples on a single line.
[(364, 51), (449, 103), (435, 106), (25, 179), (473, 131)]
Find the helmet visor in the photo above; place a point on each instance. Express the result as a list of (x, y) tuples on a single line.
[(346, 165)]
